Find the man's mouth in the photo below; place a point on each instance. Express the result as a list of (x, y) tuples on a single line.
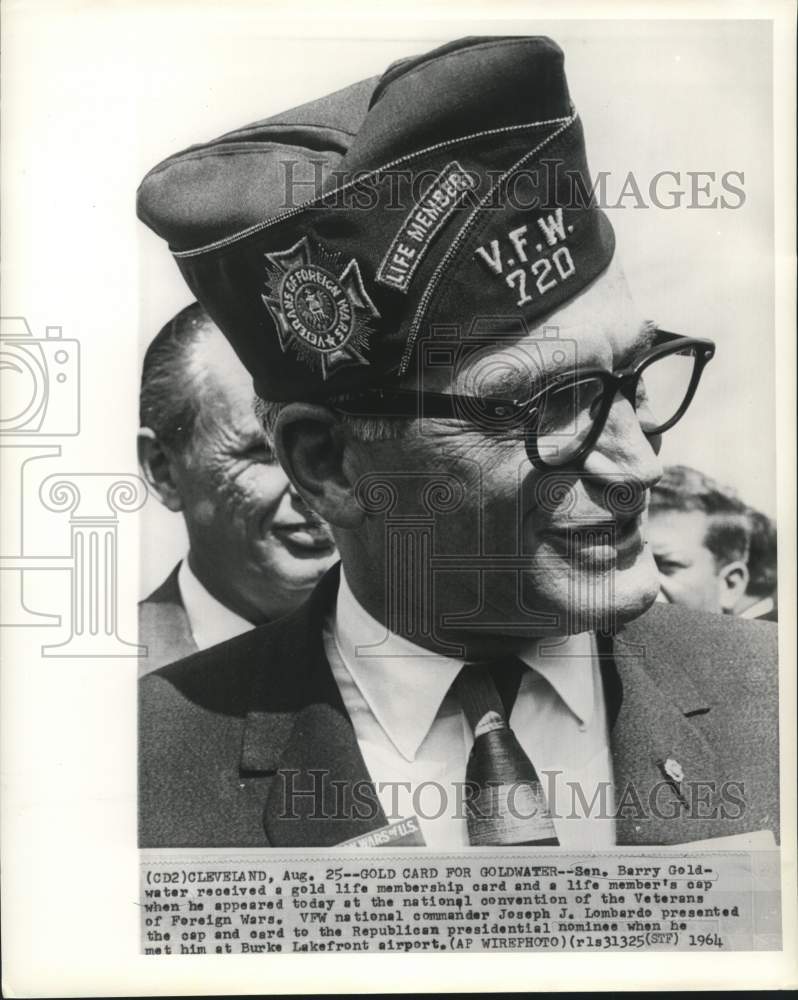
[(305, 537), (600, 540)]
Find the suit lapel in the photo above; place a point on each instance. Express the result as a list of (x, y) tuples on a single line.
[(299, 731), (322, 794), (658, 753), (164, 626)]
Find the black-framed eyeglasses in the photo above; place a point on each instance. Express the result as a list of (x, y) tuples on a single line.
[(564, 418)]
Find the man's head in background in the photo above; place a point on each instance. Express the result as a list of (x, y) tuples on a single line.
[(253, 544), (759, 597), (699, 534)]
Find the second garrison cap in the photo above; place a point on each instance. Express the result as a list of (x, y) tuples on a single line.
[(462, 194)]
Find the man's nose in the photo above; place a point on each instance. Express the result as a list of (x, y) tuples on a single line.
[(623, 449)]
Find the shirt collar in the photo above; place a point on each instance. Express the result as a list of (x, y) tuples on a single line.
[(567, 664), (762, 607), (210, 621), (404, 685)]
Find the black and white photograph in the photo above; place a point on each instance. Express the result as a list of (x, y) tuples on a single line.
[(398, 497)]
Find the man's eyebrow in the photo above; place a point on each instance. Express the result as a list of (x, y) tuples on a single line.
[(518, 380), (642, 342)]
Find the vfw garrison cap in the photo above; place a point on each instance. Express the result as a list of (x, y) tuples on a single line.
[(326, 241)]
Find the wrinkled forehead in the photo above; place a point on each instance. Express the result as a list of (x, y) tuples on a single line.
[(598, 328)]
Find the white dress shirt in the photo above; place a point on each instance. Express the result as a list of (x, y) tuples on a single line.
[(415, 739), (210, 621), (760, 608)]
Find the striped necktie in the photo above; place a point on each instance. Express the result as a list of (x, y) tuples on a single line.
[(505, 803)]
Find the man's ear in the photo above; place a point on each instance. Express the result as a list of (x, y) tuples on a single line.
[(157, 464), (311, 446), (732, 581)]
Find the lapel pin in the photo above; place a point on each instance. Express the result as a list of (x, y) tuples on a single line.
[(673, 770), (674, 774)]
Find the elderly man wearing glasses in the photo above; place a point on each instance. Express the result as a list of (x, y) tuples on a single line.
[(453, 372)]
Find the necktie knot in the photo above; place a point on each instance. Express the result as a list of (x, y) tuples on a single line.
[(488, 723), (479, 698), (487, 690)]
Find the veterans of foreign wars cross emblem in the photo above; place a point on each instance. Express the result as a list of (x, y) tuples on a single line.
[(321, 312)]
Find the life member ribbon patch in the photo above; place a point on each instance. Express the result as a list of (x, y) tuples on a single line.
[(425, 220)]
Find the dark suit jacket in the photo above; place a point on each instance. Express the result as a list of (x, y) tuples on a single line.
[(163, 626), (215, 730)]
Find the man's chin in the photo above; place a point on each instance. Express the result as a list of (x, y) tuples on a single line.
[(596, 602), (297, 572), (635, 590), (606, 616), (633, 607)]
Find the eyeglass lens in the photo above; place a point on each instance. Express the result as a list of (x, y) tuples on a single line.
[(567, 414)]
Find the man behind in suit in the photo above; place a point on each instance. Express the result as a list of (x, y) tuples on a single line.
[(456, 377), (700, 534), (255, 550)]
